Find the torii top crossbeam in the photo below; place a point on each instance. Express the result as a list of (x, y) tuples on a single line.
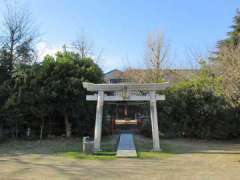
[(119, 87)]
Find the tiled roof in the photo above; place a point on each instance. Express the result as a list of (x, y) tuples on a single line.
[(170, 75)]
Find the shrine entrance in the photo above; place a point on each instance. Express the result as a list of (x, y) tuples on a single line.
[(125, 93), (128, 116)]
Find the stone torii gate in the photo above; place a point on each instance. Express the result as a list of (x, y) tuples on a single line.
[(125, 92)]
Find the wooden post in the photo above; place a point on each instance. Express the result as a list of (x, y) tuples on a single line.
[(154, 121), (98, 122)]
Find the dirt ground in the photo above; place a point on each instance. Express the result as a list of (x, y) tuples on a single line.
[(193, 160)]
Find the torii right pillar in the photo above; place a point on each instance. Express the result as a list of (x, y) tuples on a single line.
[(154, 121)]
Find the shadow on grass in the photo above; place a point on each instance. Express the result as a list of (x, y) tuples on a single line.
[(60, 146), (172, 147), (72, 148)]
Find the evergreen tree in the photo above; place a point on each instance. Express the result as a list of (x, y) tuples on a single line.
[(233, 38)]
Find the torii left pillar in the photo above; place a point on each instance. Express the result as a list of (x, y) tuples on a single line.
[(98, 123)]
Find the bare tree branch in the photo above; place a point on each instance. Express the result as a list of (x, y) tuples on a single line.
[(227, 66), (18, 35), (83, 46), (155, 60), (156, 56)]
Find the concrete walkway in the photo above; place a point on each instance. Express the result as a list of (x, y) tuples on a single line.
[(126, 146)]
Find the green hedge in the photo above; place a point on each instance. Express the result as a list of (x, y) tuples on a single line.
[(196, 109), (187, 113)]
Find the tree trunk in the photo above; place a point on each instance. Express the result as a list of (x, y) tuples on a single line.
[(16, 128), (41, 128), (67, 125), (1, 132), (50, 126), (11, 54)]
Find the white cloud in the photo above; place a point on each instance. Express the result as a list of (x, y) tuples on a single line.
[(111, 62), (107, 62), (44, 48)]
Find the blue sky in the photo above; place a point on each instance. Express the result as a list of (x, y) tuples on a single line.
[(119, 28)]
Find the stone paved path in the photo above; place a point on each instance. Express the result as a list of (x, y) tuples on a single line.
[(126, 146)]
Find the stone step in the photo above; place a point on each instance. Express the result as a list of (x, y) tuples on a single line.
[(126, 146)]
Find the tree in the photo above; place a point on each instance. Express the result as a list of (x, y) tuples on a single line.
[(156, 57), (18, 36), (233, 38), (227, 66), (13, 107), (4, 67), (64, 84), (38, 93), (83, 46), (38, 103), (226, 63)]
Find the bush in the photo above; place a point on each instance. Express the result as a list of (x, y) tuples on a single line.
[(49, 98), (196, 108), (146, 129), (195, 111)]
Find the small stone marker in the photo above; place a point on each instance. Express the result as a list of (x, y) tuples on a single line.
[(87, 145), (126, 146)]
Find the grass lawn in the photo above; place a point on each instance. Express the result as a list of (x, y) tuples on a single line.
[(69, 148), (72, 148), (144, 148), (104, 155), (63, 159), (108, 146)]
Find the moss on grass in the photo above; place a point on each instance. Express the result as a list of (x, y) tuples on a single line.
[(144, 149), (149, 154), (108, 151), (96, 156)]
